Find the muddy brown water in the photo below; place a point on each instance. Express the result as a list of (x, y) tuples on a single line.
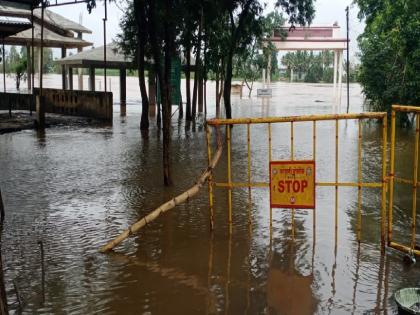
[(74, 188)]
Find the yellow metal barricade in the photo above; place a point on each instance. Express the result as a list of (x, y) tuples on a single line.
[(411, 249), (293, 120)]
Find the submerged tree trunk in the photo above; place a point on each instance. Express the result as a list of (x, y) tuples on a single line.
[(163, 76), (139, 7)]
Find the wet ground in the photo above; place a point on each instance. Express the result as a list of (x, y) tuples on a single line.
[(76, 187)]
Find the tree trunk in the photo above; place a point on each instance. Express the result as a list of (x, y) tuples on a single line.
[(194, 99), (228, 84), (197, 72), (164, 81), (188, 84), (139, 7)]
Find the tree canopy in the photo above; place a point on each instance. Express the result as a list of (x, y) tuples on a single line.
[(390, 52)]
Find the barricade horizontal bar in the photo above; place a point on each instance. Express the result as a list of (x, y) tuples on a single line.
[(266, 120), (370, 185), (325, 184), (405, 181), (411, 109), (404, 248), (239, 185)]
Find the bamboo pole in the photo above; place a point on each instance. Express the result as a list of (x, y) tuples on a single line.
[(185, 196)]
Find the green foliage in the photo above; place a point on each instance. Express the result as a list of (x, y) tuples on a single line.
[(311, 66), (390, 52)]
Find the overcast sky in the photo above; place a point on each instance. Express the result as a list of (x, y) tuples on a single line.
[(327, 12)]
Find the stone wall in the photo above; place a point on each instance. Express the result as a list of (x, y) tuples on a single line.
[(74, 103)]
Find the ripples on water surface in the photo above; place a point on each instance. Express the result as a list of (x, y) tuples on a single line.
[(75, 188)]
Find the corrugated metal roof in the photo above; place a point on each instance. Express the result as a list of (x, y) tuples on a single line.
[(95, 57), (51, 39), (51, 19)]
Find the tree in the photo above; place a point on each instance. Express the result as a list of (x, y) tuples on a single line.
[(214, 30), (390, 52), (133, 42)]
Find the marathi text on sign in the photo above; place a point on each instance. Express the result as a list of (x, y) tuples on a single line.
[(292, 184)]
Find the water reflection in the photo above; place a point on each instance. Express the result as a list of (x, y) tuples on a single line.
[(288, 291)]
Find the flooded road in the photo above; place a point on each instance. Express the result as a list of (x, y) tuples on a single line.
[(75, 188)]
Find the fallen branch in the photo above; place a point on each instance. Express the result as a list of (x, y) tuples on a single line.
[(185, 196)]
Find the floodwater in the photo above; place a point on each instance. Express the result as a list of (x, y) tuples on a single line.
[(75, 188)]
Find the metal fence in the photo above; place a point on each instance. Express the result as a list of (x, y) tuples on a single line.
[(293, 120), (411, 249)]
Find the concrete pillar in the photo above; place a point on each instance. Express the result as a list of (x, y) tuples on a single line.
[(63, 69), (80, 70), (39, 66), (70, 71), (123, 91), (91, 79), (340, 75), (152, 92), (40, 111), (29, 68), (335, 75)]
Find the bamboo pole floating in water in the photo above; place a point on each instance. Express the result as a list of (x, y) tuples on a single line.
[(185, 196)]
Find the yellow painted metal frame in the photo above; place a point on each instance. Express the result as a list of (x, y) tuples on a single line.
[(308, 118), (413, 182)]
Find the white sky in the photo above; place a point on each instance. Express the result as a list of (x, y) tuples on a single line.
[(327, 12)]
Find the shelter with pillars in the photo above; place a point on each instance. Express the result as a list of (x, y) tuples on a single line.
[(58, 32), (315, 38)]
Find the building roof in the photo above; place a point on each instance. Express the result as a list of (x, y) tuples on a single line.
[(308, 38), (95, 58), (52, 20), (10, 26), (51, 39)]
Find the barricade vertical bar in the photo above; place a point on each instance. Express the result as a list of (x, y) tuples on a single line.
[(314, 158), (359, 180), (336, 174), (248, 134), (229, 177), (314, 140), (391, 177), (269, 143), (383, 204), (269, 160), (210, 180), (292, 157), (415, 170)]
